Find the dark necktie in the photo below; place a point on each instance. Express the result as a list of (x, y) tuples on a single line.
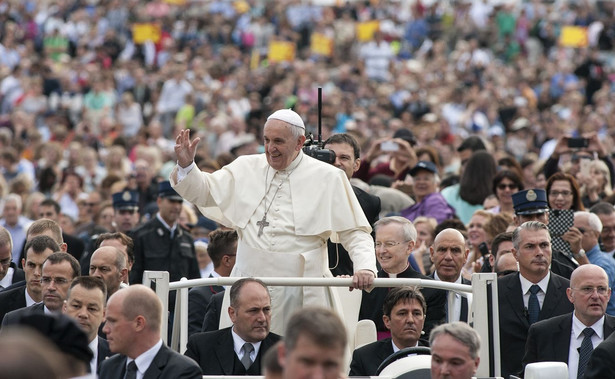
[(247, 348), (533, 306), (131, 371), (585, 351)]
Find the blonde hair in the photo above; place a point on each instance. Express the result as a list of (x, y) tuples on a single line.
[(600, 166)]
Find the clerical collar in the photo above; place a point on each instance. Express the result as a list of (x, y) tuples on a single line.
[(293, 165), (397, 273)]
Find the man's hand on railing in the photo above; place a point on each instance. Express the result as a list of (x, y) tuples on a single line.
[(363, 279)]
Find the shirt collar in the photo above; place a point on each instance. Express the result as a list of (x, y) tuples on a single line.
[(8, 278), (578, 327), (29, 300), (293, 165), (526, 284), (238, 342), (171, 228), (144, 360), (93, 345), (396, 349), (436, 277)]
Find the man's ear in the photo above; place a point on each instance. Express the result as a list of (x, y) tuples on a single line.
[(232, 314)]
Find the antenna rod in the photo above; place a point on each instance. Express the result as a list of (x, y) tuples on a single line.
[(320, 117)]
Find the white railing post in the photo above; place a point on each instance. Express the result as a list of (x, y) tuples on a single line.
[(486, 322), (161, 282)]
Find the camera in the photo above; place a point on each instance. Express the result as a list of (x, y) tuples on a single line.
[(314, 149), (389, 146), (578, 143)]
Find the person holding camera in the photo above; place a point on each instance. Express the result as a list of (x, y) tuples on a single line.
[(284, 205)]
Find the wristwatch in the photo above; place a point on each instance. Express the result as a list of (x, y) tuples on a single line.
[(580, 254)]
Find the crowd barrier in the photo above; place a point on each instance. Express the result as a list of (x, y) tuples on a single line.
[(481, 294)]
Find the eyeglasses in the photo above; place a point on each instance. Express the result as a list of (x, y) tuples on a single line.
[(387, 244), (509, 186), (558, 193), (58, 281), (5, 262), (590, 290), (90, 204)]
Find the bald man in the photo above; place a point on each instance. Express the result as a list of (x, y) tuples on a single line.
[(109, 264), (133, 322), (449, 254), (562, 338)]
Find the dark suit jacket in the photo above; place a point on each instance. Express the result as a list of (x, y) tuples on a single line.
[(13, 317), (11, 300), (198, 300), (18, 274), (371, 303), (167, 364), (549, 340), (339, 260), (514, 324), (463, 316), (602, 361), (103, 353), (214, 352), (74, 246), (367, 359), (211, 322)]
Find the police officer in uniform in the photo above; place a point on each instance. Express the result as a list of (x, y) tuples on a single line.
[(161, 244)]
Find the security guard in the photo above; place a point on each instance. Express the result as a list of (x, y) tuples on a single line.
[(125, 211), (161, 244)]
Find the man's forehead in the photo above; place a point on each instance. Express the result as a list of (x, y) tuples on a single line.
[(534, 235), (38, 258), (56, 267), (5, 251), (90, 295)]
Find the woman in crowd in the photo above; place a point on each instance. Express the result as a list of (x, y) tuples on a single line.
[(419, 259), (505, 184), (563, 192)]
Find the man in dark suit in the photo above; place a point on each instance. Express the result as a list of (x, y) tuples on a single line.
[(347, 158), (37, 250), (602, 361), (395, 238), (561, 338), (133, 332), (404, 315), (222, 249), (211, 321), (534, 294), (85, 303), (237, 350), (59, 269), (448, 254), (9, 273)]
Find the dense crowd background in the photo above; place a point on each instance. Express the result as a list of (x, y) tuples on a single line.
[(80, 99)]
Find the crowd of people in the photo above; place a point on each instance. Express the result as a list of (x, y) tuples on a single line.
[(454, 122)]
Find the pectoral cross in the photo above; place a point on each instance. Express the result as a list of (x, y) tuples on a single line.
[(261, 224)]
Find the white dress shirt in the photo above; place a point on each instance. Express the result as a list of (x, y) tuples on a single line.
[(8, 278), (456, 314), (238, 343), (525, 289), (144, 360), (93, 345), (576, 338)]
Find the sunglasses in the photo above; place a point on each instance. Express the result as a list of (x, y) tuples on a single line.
[(509, 186)]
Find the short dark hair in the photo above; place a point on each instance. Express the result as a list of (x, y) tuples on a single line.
[(402, 294), (497, 240), (60, 256), (507, 174), (39, 244), (39, 227), (320, 325), (347, 139), (577, 203), (473, 143), (124, 240), (48, 202), (236, 289), (89, 283), (221, 244)]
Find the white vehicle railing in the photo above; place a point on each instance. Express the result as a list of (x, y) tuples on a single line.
[(481, 295)]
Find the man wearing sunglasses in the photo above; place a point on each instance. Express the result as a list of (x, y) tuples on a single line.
[(571, 337)]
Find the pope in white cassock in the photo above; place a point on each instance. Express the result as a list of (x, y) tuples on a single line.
[(284, 205)]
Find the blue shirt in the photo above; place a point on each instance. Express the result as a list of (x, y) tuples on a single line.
[(605, 261)]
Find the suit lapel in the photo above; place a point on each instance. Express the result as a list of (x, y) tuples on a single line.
[(103, 352), (552, 298), (385, 349), (226, 359), (160, 360), (609, 326), (516, 300), (561, 340)]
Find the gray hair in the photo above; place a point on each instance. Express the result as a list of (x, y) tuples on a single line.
[(533, 226), (592, 219), (460, 331), (14, 198), (408, 228)]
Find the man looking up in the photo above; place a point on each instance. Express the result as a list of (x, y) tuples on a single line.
[(282, 212)]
